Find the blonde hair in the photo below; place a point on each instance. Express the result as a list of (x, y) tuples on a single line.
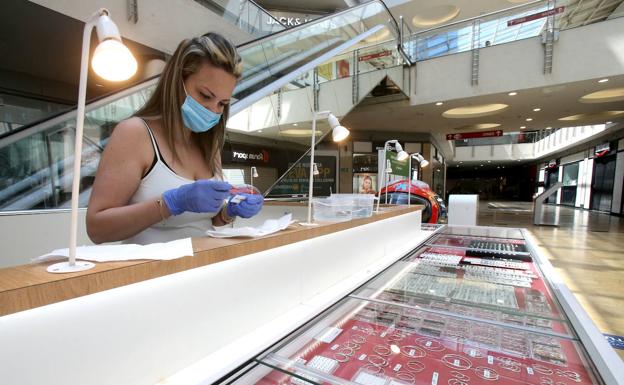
[(169, 95)]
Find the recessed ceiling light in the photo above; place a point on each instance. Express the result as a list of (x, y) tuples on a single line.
[(489, 161), (548, 128), (439, 103), (295, 124), (608, 122), (497, 166), (503, 166), (514, 93), (522, 127), (603, 80), (529, 119), (537, 109), (518, 160), (481, 165), (461, 162)]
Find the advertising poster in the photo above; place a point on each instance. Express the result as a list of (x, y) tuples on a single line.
[(343, 68), (326, 71), (296, 181), (398, 167), (364, 183)]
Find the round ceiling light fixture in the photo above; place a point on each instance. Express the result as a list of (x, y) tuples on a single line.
[(594, 116), (475, 111), (480, 126), (301, 133), (433, 16), (604, 96), (382, 35)]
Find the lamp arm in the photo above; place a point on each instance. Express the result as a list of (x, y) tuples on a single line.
[(82, 96)]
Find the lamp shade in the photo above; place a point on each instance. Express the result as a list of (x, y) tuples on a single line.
[(402, 155), (424, 163), (339, 133), (113, 61)]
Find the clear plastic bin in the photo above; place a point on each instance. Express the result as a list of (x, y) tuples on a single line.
[(362, 203), (343, 207)]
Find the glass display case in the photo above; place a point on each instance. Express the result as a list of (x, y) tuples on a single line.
[(440, 315)]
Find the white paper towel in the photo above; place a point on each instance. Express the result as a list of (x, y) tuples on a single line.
[(108, 253), (269, 226)]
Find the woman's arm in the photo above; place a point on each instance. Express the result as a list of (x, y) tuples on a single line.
[(125, 159)]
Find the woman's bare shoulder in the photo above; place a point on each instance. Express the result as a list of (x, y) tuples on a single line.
[(131, 139)]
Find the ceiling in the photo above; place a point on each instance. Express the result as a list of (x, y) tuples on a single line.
[(554, 103)]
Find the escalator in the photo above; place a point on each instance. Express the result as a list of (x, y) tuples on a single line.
[(36, 160)]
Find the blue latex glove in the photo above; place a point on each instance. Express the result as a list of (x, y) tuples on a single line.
[(202, 196), (246, 208)]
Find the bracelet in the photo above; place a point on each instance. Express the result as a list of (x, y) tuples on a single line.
[(160, 204), (225, 217)]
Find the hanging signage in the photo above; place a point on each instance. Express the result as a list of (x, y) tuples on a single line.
[(297, 180), (288, 21), (473, 135), (374, 55), (399, 167), (535, 16)]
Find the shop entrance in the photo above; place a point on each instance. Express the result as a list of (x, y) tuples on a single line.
[(552, 177), (602, 185)]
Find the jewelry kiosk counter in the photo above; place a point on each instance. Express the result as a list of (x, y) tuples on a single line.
[(193, 319)]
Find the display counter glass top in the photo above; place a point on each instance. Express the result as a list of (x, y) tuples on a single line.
[(369, 342), (484, 231)]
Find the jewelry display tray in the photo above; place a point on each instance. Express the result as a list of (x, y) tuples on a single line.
[(431, 319)]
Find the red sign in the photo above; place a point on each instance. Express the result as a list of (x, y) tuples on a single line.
[(374, 55), (535, 16), (472, 135)]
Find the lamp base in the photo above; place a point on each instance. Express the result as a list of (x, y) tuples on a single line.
[(65, 267), (308, 224)]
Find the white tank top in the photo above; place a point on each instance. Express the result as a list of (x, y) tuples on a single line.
[(158, 180)]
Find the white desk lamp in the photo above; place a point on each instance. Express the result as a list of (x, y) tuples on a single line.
[(401, 155), (112, 61), (253, 174), (423, 163), (339, 133)]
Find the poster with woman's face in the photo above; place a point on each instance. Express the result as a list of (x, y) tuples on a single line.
[(365, 183)]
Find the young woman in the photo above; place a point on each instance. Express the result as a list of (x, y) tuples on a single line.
[(160, 175)]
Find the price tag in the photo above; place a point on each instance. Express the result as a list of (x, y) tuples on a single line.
[(486, 373), (335, 347), (397, 367), (530, 370), (490, 360), (411, 352), (362, 357), (472, 353), (456, 363), (428, 344), (434, 378)]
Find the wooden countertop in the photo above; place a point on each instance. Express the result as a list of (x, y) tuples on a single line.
[(29, 286)]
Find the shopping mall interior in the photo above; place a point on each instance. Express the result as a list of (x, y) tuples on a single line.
[(494, 122)]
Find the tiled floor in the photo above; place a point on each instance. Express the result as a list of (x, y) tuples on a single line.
[(587, 250)]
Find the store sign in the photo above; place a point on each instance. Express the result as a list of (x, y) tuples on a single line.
[(249, 156), (473, 135), (536, 16), (374, 55)]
